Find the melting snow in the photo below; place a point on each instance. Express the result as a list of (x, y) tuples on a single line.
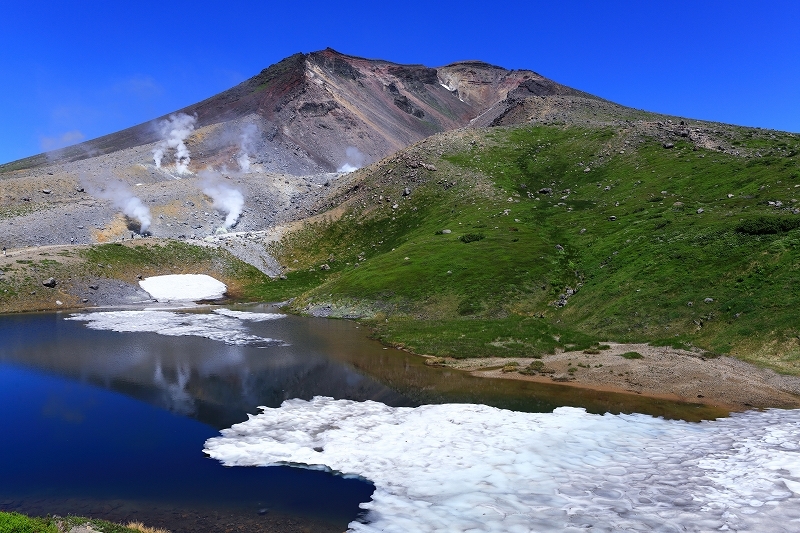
[(246, 315), (478, 468), (183, 287), (223, 326)]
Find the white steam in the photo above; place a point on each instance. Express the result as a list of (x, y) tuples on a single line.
[(225, 197), (246, 146), (354, 160), (174, 132), (122, 198)]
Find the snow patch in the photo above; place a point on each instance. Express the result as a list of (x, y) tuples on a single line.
[(215, 326), (183, 287), (478, 468), (246, 315)]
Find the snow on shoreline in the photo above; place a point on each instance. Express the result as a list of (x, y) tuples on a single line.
[(183, 287), (223, 325), (477, 468)]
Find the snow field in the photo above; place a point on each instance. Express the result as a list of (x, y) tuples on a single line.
[(477, 468), (183, 287)]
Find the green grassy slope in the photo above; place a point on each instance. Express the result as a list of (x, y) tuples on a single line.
[(674, 245), (19, 523)]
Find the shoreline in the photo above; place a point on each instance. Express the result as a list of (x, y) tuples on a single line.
[(660, 373)]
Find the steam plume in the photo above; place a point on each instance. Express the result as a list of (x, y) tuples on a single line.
[(354, 160), (122, 198), (225, 197), (174, 132), (246, 147)]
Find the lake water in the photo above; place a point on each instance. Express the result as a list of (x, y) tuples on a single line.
[(112, 424)]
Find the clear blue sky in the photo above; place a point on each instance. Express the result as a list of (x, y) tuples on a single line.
[(73, 70)]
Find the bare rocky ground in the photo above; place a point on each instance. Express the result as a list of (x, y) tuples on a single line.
[(53, 205), (660, 372)]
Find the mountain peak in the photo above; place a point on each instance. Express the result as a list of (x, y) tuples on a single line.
[(309, 108)]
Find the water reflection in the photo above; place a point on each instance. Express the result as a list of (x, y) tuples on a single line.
[(219, 384), (112, 424)]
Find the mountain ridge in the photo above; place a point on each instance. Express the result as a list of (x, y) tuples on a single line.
[(309, 107)]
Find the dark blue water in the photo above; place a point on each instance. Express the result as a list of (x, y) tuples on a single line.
[(112, 425), (105, 422), (64, 437)]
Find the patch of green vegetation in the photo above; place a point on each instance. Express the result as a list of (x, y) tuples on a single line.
[(472, 237), (513, 336), (513, 366), (20, 523), (533, 368), (649, 244), (631, 355), (768, 225)]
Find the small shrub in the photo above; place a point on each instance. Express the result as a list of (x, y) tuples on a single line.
[(138, 526), (631, 355), (513, 366), (592, 351), (767, 225), (472, 237), (533, 368), (661, 224), (469, 307)]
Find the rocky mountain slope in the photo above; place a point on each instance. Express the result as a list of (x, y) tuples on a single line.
[(302, 113)]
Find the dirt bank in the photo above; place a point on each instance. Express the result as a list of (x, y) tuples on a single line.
[(661, 372)]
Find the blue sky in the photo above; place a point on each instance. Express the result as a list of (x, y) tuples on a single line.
[(71, 71)]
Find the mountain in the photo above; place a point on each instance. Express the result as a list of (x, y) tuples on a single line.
[(497, 213), (307, 109)]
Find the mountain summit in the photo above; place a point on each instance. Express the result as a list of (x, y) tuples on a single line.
[(305, 111)]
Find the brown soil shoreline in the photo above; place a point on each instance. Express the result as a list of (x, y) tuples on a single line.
[(662, 372)]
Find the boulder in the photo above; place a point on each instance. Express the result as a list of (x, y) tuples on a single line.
[(49, 282)]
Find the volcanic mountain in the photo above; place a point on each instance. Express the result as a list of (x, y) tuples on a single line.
[(306, 110)]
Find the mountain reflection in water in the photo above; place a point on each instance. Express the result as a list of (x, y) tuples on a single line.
[(112, 424)]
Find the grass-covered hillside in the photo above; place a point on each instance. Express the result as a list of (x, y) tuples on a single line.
[(566, 235), (97, 275)]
